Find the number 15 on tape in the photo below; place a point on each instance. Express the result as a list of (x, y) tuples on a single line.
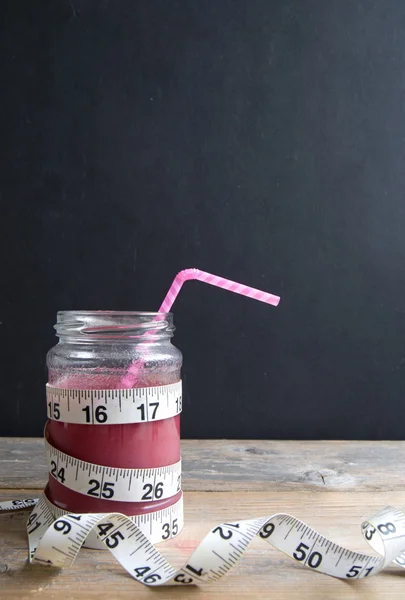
[(113, 407)]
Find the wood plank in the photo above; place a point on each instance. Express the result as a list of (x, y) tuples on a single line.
[(221, 465), (263, 572)]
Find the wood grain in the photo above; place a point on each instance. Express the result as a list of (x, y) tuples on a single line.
[(221, 465), (263, 572)]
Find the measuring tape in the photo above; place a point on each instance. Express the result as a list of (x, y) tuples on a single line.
[(156, 526), (124, 485), (56, 536), (113, 407)]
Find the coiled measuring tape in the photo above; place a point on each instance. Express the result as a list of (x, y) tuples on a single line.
[(56, 536), (118, 407)]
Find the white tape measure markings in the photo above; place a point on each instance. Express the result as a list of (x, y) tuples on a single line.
[(56, 537), (17, 505), (157, 526), (114, 407), (109, 483)]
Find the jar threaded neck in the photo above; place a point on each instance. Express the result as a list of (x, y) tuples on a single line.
[(113, 325)]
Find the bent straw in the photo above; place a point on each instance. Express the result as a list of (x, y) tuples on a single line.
[(221, 282), (190, 274)]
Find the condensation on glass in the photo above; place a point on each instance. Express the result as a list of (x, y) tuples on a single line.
[(95, 351)]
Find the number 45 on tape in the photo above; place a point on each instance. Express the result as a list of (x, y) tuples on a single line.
[(56, 540)]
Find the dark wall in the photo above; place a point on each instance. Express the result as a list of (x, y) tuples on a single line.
[(260, 140)]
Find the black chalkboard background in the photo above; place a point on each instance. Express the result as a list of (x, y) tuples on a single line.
[(261, 140)]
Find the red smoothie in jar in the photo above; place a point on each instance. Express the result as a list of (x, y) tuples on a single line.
[(132, 445)]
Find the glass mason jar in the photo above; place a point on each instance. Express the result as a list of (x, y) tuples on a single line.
[(94, 352)]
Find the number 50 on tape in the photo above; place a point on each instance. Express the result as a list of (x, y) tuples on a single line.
[(56, 538)]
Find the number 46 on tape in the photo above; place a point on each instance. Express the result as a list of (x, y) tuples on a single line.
[(57, 543)]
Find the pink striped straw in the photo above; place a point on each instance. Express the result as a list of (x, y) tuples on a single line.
[(187, 275), (221, 282)]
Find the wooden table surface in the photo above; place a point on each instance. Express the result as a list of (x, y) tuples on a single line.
[(333, 486)]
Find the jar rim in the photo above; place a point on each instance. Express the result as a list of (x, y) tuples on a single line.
[(110, 324)]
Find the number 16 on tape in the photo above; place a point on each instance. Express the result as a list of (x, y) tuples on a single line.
[(113, 407)]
